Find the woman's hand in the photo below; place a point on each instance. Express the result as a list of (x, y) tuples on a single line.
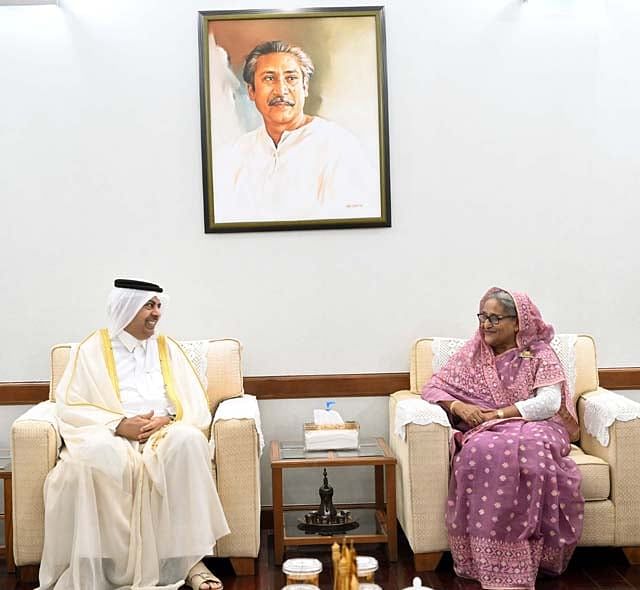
[(469, 413), (490, 415)]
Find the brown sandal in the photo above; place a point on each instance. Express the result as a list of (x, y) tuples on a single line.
[(200, 574)]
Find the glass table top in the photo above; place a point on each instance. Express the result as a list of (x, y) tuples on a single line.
[(368, 447)]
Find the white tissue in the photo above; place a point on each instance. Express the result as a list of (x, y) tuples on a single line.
[(330, 433), (327, 417), (326, 440)]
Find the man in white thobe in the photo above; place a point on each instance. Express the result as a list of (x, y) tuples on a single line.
[(131, 504)]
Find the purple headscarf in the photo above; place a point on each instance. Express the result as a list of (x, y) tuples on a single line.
[(476, 375)]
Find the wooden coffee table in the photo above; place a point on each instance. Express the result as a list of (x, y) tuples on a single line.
[(377, 520)]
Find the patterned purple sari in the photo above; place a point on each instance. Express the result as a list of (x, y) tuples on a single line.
[(514, 506)]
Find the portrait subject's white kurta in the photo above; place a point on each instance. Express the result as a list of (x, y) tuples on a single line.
[(318, 171), (117, 516)]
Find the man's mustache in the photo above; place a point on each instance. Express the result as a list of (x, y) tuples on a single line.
[(276, 100)]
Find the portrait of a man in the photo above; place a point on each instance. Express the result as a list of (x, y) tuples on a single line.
[(280, 152)]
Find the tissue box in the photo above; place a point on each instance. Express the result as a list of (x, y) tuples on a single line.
[(331, 437)]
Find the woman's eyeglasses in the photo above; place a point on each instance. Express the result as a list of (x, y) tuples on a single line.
[(494, 319)]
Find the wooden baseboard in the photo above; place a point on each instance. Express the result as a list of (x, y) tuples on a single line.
[(620, 378), (305, 386), (23, 393)]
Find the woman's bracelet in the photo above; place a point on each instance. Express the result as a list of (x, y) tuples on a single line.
[(500, 413)]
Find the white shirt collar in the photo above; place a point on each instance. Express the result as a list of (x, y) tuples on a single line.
[(130, 342), (285, 134)]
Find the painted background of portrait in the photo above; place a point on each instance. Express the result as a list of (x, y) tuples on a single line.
[(344, 87)]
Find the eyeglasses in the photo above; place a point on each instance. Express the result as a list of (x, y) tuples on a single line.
[(494, 319)]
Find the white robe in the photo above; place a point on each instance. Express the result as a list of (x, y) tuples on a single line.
[(117, 517)]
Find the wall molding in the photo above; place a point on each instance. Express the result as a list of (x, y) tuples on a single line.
[(305, 386), (23, 393), (620, 378)]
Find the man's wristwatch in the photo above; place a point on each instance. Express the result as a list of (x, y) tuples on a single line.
[(500, 413)]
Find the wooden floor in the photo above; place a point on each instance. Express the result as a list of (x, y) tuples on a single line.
[(590, 568)]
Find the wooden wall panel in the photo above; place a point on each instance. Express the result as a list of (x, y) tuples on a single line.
[(304, 386)]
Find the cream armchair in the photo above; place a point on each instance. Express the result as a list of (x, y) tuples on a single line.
[(235, 466), (611, 474)]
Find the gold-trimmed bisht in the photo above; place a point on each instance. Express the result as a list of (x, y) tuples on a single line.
[(110, 361), (167, 375), (73, 371)]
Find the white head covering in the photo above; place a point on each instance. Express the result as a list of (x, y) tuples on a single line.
[(123, 305)]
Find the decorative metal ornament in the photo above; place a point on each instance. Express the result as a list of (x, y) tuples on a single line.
[(327, 520)]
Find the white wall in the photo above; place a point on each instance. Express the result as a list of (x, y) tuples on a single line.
[(515, 150)]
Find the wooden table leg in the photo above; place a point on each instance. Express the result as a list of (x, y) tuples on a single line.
[(392, 523), (278, 514), (8, 525), (379, 475)]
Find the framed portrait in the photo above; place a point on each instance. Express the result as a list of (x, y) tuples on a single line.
[(294, 119)]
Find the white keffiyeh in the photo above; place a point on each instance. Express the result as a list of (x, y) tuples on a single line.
[(124, 304)]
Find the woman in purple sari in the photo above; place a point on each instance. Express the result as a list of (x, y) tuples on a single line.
[(514, 507)]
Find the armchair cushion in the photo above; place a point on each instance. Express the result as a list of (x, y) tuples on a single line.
[(595, 475), (224, 371)]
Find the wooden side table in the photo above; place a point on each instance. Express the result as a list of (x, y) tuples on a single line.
[(5, 475), (378, 520)]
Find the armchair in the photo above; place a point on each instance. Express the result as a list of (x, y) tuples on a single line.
[(611, 474), (235, 464)]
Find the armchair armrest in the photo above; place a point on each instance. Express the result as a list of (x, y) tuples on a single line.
[(423, 482), (623, 456), (236, 443), (34, 451)]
